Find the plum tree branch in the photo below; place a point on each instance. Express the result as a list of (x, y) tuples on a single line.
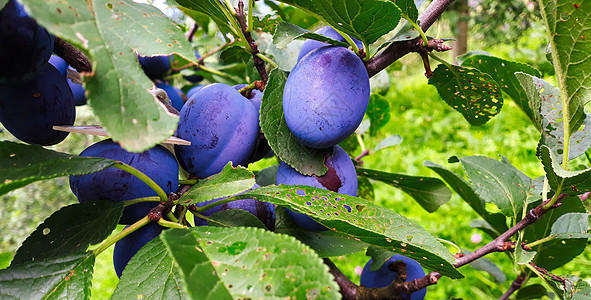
[(259, 63), (399, 49), (515, 285)]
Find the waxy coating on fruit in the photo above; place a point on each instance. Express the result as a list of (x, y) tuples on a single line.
[(221, 125), (128, 246), (30, 109), (388, 272), (117, 185), (325, 96), (25, 47), (326, 31), (264, 211), (341, 177), (155, 66)]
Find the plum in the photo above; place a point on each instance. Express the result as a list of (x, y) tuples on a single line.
[(326, 31), (60, 64), (25, 47), (341, 177), (221, 125), (194, 78), (256, 96), (388, 272), (30, 109), (117, 185), (128, 246), (77, 91), (325, 96), (155, 66), (194, 90), (173, 95), (262, 210)]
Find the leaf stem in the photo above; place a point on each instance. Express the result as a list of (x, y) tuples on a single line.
[(143, 177), (142, 199), (540, 241), (250, 13), (420, 30), (170, 224), (188, 181), (125, 232), (349, 40), (268, 60), (361, 143), (458, 249)]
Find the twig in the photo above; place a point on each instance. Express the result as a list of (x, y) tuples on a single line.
[(259, 63), (515, 285), (191, 33), (362, 155), (72, 55)]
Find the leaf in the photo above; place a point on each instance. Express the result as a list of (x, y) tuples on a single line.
[(235, 218), (150, 274), (267, 176), (429, 192), (287, 33), (70, 230), (67, 277), (239, 262), (498, 183), (408, 8), (326, 243), (569, 26), (234, 54), (5, 258), (503, 72), (533, 291), (390, 141), (496, 222), (546, 99), (575, 182), (363, 220), (486, 265), (2, 3), (286, 146), (366, 20), (117, 89), (472, 93), (365, 189), (23, 164), (571, 225), (378, 112), (461, 58), (230, 181), (378, 257), (212, 8)]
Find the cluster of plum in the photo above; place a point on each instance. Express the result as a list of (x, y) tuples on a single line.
[(35, 95)]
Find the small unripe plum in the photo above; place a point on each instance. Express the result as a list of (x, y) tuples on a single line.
[(262, 210), (341, 177), (25, 47), (386, 274), (221, 125), (325, 96), (155, 66), (173, 95), (194, 78), (117, 185), (30, 109), (326, 31), (128, 246)]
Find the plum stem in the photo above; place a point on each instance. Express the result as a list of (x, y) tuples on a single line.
[(142, 199), (143, 177), (123, 233), (170, 224)]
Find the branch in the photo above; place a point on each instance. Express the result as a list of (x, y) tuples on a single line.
[(72, 55), (397, 50), (515, 285), (258, 62)]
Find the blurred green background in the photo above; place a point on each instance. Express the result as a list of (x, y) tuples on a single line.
[(430, 129)]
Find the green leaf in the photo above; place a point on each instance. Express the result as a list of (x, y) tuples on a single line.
[(23, 164), (408, 8), (390, 141), (569, 26), (287, 33), (461, 58), (546, 99), (326, 243), (286, 146), (429, 192), (213, 9), (234, 54), (472, 93), (69, 230), (571, 225), (267, 176), (486, 265), (378, 257), (239, 262), (5, 258), (496, 222), (503, 72), (368, 222), (235, 218), (534, 291), (150, 274), (366, 20), (230, 181), (117, 89), (574, 182), (67, 277), (365, 189), (2, 3), (498, 183), (378, 112)]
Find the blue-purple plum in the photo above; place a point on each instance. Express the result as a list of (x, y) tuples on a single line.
[(155, 66), (341, 177), (25, 47), (194, 90), (262, 210), (60, 64), (194, 78), (128, 246), (117, 185), (325, 96), (326, 31), (173, 95), (386, 274), (221, 125), (256, 96), (30, 109)]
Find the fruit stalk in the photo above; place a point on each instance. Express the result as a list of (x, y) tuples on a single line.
[(125, 232), (143, 177), (259, 63)]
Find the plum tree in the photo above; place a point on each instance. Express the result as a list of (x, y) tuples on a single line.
[(30, 109), (388, 272), (117, 185), (175, 97), (327, 31), (325, 96), (221, 125), (25, 47), (341, 177), (155, 66), (128, 246)]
